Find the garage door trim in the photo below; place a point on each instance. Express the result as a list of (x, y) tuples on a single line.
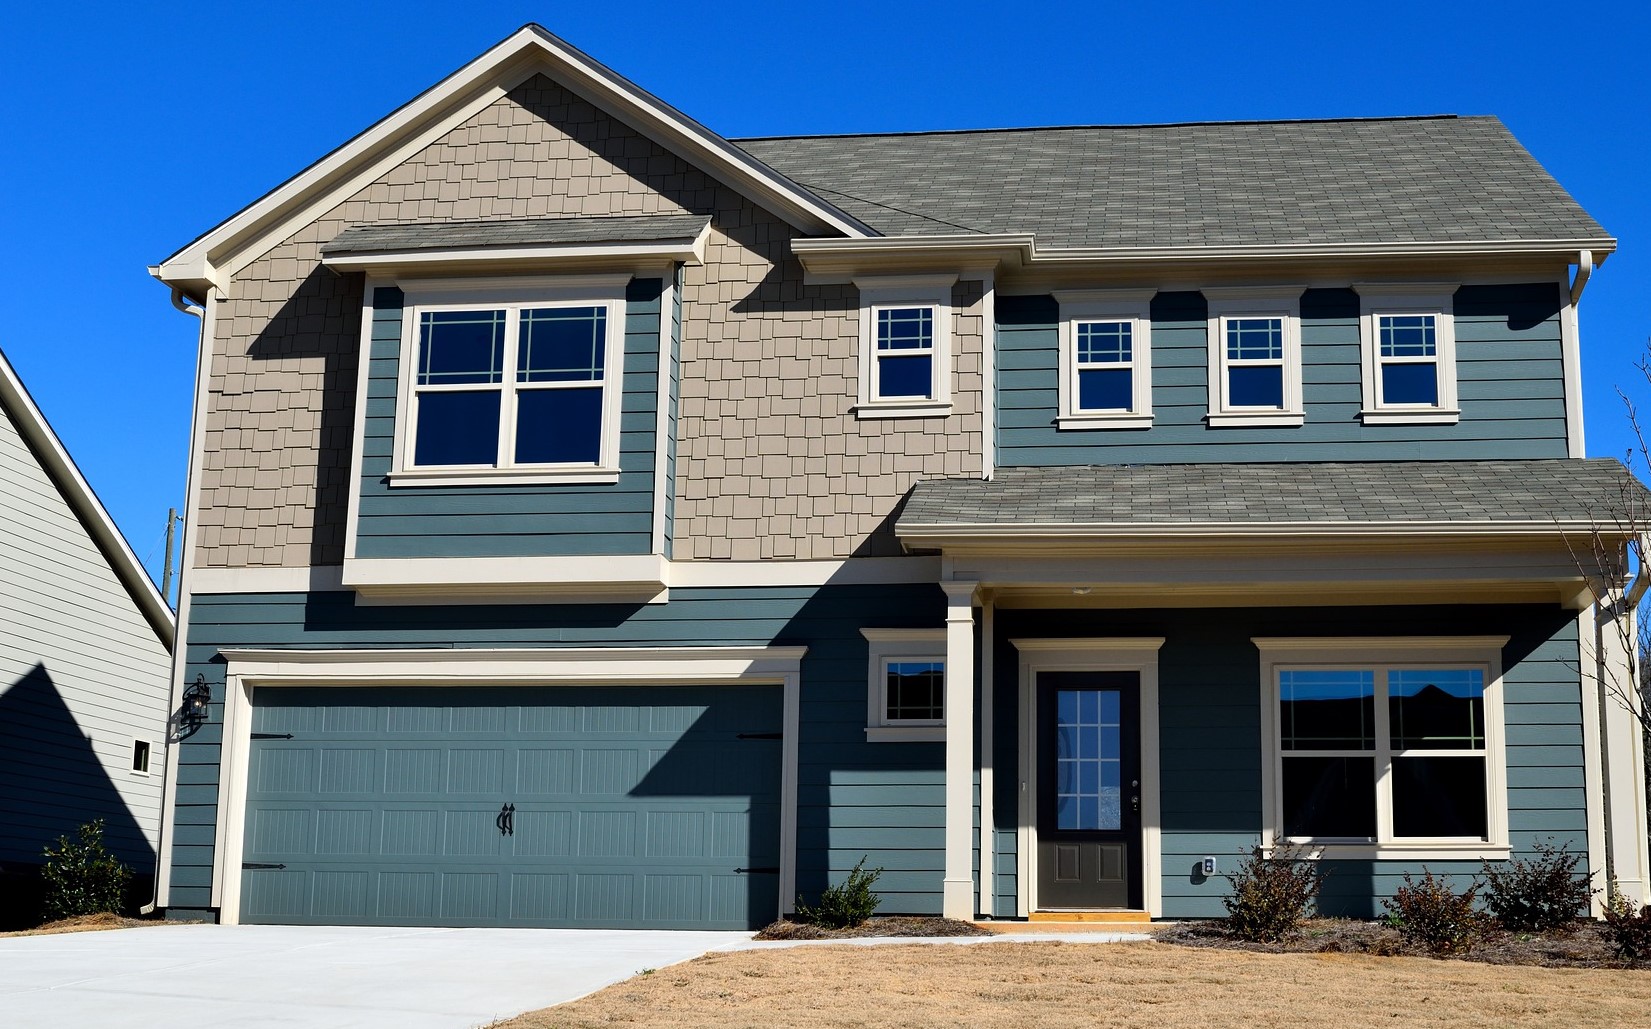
[(618, 666)]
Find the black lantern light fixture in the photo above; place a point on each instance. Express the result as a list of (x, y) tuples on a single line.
[(196, 696)]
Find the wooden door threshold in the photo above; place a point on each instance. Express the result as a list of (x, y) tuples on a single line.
[(1108, 915)]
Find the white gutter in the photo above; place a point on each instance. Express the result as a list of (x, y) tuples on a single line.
[(1184, 530), (1584, 269)]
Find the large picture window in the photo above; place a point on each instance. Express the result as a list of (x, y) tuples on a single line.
[(1385, 744)]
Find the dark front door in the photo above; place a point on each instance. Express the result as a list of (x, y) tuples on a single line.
[(1089, 790)]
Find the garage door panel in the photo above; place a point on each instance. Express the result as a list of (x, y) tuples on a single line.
[(632, 806)]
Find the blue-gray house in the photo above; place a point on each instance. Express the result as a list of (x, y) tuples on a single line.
[(594, 521)]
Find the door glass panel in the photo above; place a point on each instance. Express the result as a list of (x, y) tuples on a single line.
[(1088, 756)]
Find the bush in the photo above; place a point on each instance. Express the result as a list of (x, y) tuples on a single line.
[(1540, 894), (1432, 915), (1628, 931), (81, 877), (1271, 895), (845, 905)]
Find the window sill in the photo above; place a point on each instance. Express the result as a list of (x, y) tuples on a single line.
[(1422, 851), (1417, 416), (905, 733), (507, 477), (1256, 419), (1104, 421), (915, 409)]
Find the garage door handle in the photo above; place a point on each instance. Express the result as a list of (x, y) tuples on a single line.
[(259, 864), (506, 821), (758, 871)]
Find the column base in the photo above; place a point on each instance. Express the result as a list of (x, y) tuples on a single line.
[(957, 899)]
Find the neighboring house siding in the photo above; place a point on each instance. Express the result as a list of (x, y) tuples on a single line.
[(512, 520), (1509, 374), (773, 462), (1209, 708), (82, 676), (882, 802)]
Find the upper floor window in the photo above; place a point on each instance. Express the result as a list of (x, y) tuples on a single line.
[(905, 346), (1105, 359), (518, 382), (1255, 355), (1408, 340)]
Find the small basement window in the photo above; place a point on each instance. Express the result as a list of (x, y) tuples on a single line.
[(140, 757), (906, 684)]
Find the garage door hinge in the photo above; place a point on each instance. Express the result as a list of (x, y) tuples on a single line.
[(759, 736), (759, 871), (259, 864), (272, 735)]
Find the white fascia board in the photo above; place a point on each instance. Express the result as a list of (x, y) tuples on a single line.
[(687, 251), (987, 534), (530, 50), (65, 475)]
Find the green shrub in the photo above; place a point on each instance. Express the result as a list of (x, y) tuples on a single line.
[(1628, 931), (1539, 894), (1432, 915), (845, 905), (81, 877), (1271, 894)]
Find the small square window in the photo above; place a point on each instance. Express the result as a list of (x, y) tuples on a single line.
[(1105, 359), (140, 757), (1408, 340), (905, 347), (906, 684), (1255, 356)]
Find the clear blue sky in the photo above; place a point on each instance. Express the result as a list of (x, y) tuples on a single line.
[(130, 128)]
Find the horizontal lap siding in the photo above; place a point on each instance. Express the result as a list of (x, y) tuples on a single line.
[(1510, 384), (880, 802), (1210, 734), (512, 520)]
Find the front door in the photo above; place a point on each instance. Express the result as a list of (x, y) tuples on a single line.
[(1089, 790)]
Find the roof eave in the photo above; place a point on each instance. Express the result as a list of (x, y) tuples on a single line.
[(986, 535)]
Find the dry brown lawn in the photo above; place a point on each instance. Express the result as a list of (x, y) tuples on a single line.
[(1120, 986), (86, 923)]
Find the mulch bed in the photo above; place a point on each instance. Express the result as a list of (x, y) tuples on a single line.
[(898, 925), (1585, 947), (86, 923)]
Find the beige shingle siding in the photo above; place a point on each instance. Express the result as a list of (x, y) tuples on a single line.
[(773, 462)]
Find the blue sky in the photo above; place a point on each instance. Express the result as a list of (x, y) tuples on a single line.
[(131, 128)]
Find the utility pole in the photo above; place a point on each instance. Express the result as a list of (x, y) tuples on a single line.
[(172, 521)]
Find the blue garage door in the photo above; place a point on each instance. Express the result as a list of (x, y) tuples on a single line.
[(610, 806)]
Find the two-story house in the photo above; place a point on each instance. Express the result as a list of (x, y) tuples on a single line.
[(594, 521)]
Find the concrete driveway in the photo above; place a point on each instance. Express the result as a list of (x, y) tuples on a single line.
[(336, 977)]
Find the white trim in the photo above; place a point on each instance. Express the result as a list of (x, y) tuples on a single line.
[(1434, 300), (884, 646), (1123, 654), (247, 669), (363, 376), (251, 232), (638, 577), (1132, 307), (1230, 302), (988, 763), (957, 885), (1570, 351), (900, 292), (1593, 762), (1384, 653), (664, 439), (988, 384), (642, 255)]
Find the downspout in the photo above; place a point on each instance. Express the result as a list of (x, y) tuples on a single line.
[(1584, 269), (180, 302)]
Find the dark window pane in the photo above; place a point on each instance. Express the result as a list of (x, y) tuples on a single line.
[(1255, 339), (1437, 709), (1106, 389), (905, 377), (1410, 384), (1439, 796), (916, 689), (460, 427), (1327, 710), (460, 347), (559, 426), (1105, 342), (1408, 335), (905, 328), (1255, 386), (563, 344), (1089, 777), (1330, 797)]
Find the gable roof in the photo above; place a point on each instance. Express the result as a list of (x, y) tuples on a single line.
[(1436, 180), (55, 461), (1377, 497), (212, 258)]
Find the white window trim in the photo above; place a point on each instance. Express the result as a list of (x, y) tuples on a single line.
[(514, 295), (1388, 652), (1226, 302), (884, 292), (883, 646), (1106, 305), (1437, 299)]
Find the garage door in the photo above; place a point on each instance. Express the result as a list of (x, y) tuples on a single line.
[(611, 806)]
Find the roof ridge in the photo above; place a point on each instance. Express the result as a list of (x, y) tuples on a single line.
[(1119, 126)]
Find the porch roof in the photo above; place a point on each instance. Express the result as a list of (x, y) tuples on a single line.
[(1531, 497)]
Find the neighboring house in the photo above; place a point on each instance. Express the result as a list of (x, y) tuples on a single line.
[(85, 660), (597, 522)]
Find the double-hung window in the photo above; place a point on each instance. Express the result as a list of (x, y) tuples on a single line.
[(905, 346), (906, 684), (1105, 359), (1255, 356), (1385, 745), (1408, 340), (514, 383)]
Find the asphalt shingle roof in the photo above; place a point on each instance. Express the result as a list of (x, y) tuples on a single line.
[(1435, 179), (1549, 492), (365, 239)]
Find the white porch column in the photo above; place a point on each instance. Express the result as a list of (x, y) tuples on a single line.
[(957, 898), (1623, 753)]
